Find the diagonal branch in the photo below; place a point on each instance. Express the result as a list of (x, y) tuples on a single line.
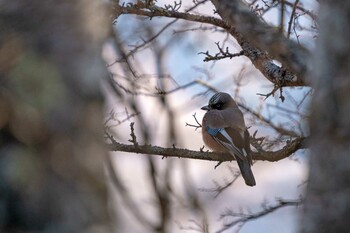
[(280, 76), (240, 218), (279, 129), (266, 37)]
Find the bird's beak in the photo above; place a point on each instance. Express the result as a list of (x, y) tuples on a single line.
[(205, 108)]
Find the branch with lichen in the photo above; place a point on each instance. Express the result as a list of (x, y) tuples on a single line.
[(280, 76), (266, 37)]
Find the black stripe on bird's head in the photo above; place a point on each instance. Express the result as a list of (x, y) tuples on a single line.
[(219, 101)]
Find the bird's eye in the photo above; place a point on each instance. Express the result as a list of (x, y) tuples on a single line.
[(218, 106)]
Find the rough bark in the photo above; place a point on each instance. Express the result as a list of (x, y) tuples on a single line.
[(327, 205), (262, 41), (261, 59), (51, 144)]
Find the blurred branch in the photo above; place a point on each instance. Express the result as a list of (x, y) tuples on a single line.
[(267, 121), (291, 18), (125, 195), (302, 9), (158, 92), (219, 188), (162, 197), (240, 218), (202, 226), (112, 117), (145, 42)]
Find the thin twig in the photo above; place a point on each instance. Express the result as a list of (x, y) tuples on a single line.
[(132, 134), (291, 18)]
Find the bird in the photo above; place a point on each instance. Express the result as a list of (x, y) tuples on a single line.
[(224, 130)]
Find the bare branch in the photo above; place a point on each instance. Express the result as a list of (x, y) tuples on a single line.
[(266, 37), (132, 134), (280, 76), (292, 17), (272, 93), (112, 117), (196, 226), (218, 189), (277, 128), (197, 126), (302, 9), (125, 195), (272, 156), (222, 54)]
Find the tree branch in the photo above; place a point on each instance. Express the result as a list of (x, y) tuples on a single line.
[(289, 53), (280, 76), (277, 128), (271, 156), (222, 54), (241, 218)]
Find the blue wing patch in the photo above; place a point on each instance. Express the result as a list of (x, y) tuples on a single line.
[(213, 132)]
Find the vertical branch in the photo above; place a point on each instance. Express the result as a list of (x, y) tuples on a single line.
[(290, 23), (282, 12)]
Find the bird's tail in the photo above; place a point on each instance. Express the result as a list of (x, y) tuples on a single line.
[(246, 171)]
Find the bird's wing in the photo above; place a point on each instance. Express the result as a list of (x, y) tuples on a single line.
[(221, 136), (233, 118)]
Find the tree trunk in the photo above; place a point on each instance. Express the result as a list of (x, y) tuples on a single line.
[(327, 206), (51, 141)]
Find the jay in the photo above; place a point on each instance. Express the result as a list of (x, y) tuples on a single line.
[(224, 130)]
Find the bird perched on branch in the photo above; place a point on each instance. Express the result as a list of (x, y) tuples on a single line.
[(224, 130)]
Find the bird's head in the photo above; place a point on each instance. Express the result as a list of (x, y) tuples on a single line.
[(220, 101)]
